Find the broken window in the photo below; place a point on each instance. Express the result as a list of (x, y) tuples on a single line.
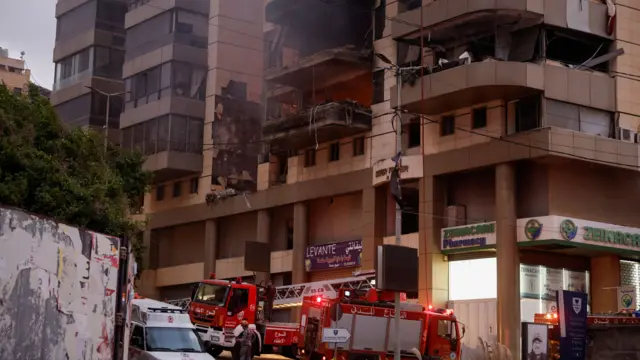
[(407, 5), (358, 146), (479, 117), (447, 125), (378, 87), (309, 157), (578, 118), (523, 114), (413, 129), (334, 152), (576, 49)]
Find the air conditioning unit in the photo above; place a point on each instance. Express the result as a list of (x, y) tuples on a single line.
[(626, 135)]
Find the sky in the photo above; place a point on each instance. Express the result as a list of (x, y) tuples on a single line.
[(30, 26)]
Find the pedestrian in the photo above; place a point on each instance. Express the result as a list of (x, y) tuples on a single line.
[(246, 339)]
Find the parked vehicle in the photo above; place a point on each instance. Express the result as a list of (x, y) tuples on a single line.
[(160, 331)]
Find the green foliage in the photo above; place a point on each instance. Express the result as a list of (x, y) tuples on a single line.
[(64, 173)]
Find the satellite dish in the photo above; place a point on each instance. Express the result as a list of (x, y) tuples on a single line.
[(22, 54)]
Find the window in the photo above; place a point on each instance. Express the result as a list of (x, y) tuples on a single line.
[(211, 294), (527, 113), (309, 157), (193, 185), (76, 22), (17, 91), (108, 63), (189, 80), (70, 69), (289, 234), (358, 146), (334, 152), (414, 132), (159, 192), (479, 118), (144, 87), (380, 19), (173, 339), (137, 337), (239, 301), (378, 87), (446, 329), (177, 189), (149, 35), (192, 29), (410, 4), (447, 125)]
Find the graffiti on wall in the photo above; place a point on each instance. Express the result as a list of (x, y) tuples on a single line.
[(57, 289), (236, 135)]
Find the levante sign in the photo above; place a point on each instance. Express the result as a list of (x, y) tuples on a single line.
[(332, 256), (470, 236)]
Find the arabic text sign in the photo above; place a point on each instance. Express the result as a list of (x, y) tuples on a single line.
[(573, 324), (335, 335), (331, 256)]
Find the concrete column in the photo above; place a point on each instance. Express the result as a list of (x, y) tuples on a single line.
[(373, 224), (300, 241), (210, 247), (433, 269), (263, 235), (605, 278), (508, 261), (146, 285)]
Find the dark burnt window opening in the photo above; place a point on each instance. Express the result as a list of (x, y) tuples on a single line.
[(289, 234), (159, 192), (193, 185), (408, 5), (283, 162), (177, 189), (334, 152), (411, 198), (527, 113), (479, 117), (575, 48), (380, 19), (358, 146), (413, 128), (310, 157), (447, 125), (378, 87)]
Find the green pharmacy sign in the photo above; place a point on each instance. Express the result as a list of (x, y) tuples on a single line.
[(612, 237)]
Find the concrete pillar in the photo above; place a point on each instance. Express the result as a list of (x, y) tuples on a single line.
[(210, 247), (146, 285), (373, 224), (263, 235), (508, 261), (433, 269), (300, 241), (605, 278)]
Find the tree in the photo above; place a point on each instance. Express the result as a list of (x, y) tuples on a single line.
[(49, 169)]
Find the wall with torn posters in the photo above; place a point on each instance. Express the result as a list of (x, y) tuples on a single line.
[(57, 289)]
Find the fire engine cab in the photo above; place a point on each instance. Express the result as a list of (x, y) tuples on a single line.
[(368, 319)]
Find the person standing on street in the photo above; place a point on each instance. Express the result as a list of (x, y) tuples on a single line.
[(246, 339)]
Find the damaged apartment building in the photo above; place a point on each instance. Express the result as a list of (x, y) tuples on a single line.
[(275, 122)]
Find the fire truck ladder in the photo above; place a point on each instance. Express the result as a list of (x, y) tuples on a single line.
[(292, 295)]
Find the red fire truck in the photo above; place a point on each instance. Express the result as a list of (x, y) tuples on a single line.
[(365, 320), (217, 307)]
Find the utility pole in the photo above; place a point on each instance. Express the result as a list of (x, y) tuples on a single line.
[(398, 72), (106, 120)]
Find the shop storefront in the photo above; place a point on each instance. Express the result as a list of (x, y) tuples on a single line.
[(333, 261)]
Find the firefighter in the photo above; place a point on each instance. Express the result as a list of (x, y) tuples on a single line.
[(246, 340), (270, 295)]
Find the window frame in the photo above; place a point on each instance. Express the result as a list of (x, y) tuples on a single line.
[(334, 152), (358, 146), (447, 125), (176, 190), (160, 192), (474, 122), (413, 128), (310, 158), (193, 185), (144, 342)]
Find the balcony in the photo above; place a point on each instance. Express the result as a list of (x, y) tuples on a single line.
[(448, 19), (167, 165), (321, 69), (323, 123), (481, 82)]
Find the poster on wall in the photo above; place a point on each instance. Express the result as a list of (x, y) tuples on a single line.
[(333, 256), (535, 342), (552, 283), (627, 298), (530, 285), (576, 281)]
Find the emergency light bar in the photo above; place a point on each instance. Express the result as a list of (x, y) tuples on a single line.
[(167, 310)]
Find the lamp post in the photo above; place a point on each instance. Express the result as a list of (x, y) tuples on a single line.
[(106, 120), (398, 72)]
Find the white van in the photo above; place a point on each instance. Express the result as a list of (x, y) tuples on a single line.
[(160, 331)]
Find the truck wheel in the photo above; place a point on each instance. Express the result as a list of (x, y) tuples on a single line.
[(215, 351)]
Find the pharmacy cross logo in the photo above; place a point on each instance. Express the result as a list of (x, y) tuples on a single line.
[(627, 300), (568, 229), (533, 229)]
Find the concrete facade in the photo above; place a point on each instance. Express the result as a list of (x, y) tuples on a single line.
[(13, 73), (297, 128)]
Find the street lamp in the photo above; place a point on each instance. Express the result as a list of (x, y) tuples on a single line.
[(398, 72), (106, 120)]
